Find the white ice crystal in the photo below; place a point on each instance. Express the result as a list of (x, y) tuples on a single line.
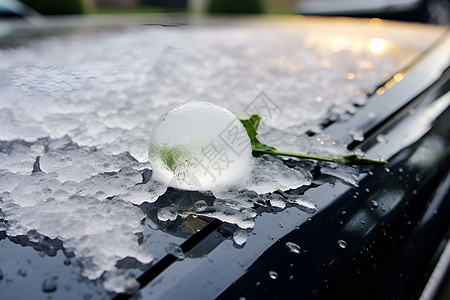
[(96, 231)]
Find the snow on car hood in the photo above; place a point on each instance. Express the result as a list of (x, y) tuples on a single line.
[(76, 113)]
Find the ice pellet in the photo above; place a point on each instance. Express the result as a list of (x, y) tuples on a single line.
[(175, 250), (199, 146), (49, 285), (240, 237)]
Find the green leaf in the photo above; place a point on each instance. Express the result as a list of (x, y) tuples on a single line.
[(251, 122), (169, 155), (281, 192)]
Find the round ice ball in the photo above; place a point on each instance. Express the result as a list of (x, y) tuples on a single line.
[(200, 146)]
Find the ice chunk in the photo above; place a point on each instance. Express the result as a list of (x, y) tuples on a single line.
[(145, 192), (18, 156), (304, 202), (98, 232), (347, 174), (270, 173), (277, 200), (244, 219), (227, 210), (167, 213), (120, 281), (240, 237), (199, 146), (175, 250), (18, 126)]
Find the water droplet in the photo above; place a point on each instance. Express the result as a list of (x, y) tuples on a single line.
[(305, 203), (281, 225), (291, 277), (175, 250), (344, 212), (200, 205), (270, 237), (367, 190), (22, 272), (242, 298), (293, 248), (342, 244), (414, 192), (374, 203), (49, 285), (240, 237), (67, 262), (357, 134), (387, 169), (370, 173), (381, 139), (435, 211), (400, 169), (258, 283), (273, 275)]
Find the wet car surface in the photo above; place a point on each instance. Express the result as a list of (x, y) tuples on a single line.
[(78, 121)]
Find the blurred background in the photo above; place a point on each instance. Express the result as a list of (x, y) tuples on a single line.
[(426, 11)]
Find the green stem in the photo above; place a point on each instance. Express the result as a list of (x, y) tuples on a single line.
[(352, 159)]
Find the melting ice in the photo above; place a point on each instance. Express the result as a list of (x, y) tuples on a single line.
[(76, 114), (200, 146)]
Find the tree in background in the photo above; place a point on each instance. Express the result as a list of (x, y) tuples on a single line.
[(235, 6), (52, 7)]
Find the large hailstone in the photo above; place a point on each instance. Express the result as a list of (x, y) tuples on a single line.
[(200, 146)]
